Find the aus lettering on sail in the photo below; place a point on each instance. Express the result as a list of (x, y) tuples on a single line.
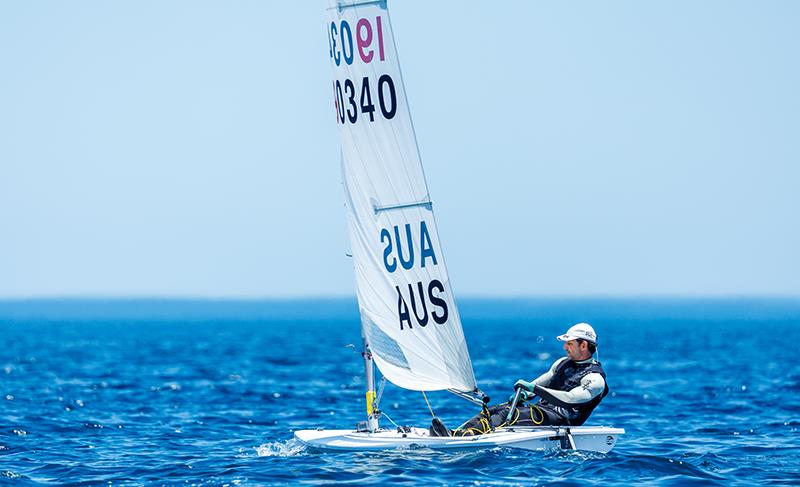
[(407, 248)]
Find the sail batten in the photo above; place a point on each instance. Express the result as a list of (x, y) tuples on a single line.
[(409, 316)]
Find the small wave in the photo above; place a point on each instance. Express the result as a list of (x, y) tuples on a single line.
[(577, 456), (288, 448), (8, 474)]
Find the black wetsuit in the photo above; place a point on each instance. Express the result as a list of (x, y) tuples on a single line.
[(568, 394)]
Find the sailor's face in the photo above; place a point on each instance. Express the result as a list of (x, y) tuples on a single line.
[(573, 350)]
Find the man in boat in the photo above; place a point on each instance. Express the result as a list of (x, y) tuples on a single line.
[(568, 392)]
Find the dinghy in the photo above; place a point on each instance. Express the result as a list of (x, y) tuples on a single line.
[(589, 438), (409, 320)]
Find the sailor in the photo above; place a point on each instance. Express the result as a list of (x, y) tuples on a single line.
[(568, 392)]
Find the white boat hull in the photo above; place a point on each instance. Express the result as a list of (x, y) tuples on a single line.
[(588, 438)]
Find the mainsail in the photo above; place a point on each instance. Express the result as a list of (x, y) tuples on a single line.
[(408, 315)]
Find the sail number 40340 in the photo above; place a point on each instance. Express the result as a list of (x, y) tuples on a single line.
[(351, 99)]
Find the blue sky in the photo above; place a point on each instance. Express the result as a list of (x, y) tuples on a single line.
[(571, 148)]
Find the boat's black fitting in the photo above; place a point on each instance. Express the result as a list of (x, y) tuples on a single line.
[(438, 428)]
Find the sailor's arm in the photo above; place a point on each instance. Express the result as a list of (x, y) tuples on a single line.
[(592, 385), (542, 380)]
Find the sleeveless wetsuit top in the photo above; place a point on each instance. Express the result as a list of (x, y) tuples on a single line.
[(568, 376)]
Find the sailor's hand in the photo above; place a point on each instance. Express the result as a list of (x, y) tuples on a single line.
[(523, 396), (524, 385)]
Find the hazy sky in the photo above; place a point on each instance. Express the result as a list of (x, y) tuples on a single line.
[(189, 148)]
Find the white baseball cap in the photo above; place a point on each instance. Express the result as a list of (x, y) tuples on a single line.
[(583, 331)]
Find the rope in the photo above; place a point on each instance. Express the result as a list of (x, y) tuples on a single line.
[(485, 411), (540, 412), (390, 420), (429, 404)]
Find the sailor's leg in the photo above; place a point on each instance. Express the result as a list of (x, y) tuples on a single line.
[(534, 415), (481, 423)]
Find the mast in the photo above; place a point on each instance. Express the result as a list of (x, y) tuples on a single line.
[(372, 412)]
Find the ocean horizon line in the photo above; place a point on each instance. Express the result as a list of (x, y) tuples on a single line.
[(344, 308), (353, 297)]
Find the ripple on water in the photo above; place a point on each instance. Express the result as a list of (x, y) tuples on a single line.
[(286, 448)]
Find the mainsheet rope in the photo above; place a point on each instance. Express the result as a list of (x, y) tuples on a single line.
[(429, 404)]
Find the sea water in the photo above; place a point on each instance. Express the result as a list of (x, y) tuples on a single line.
[(209, 393)]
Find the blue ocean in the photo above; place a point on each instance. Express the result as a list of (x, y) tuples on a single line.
[(121, 392)]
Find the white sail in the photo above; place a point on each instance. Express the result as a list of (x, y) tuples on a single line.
[(409, 317)]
